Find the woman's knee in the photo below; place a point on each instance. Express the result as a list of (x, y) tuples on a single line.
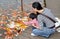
[(37, 31)]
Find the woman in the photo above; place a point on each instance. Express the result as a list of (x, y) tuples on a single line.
[(46, 25)]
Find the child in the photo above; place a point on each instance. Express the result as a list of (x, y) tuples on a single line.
[(33, 20)]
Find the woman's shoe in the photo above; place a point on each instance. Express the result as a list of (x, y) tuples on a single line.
[(32, 34)]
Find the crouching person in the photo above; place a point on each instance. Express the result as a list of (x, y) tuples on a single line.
[(46, 25)]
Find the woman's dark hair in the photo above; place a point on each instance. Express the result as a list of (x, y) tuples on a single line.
[(32, 16), (37, 5)]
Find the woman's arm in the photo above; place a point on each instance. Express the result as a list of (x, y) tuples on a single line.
[(40, 22)]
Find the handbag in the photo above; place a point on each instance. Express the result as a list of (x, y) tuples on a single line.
[(57, 24)]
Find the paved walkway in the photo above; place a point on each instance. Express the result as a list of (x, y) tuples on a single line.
[(26, 35)]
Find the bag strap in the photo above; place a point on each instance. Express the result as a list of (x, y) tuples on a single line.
[(49, 18)]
